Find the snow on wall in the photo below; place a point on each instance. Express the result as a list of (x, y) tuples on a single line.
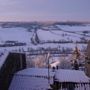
[(3, 56)]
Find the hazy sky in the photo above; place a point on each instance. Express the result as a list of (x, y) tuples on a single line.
[(45, 10)]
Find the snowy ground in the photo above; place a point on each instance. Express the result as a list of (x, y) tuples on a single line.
[(47, 35), (14, 34), (61, 37)]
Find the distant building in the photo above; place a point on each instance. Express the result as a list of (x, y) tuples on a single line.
[(87, 61)]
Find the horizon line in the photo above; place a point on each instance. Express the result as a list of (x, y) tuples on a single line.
[(44, 21)]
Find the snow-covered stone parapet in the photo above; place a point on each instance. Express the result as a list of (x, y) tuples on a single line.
[(3, 56)]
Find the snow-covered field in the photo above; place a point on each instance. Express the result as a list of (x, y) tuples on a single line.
[(58, 36), (14, 34)]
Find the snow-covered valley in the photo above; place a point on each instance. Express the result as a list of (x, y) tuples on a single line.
[(49, 36), (40, 39), (46, 47)]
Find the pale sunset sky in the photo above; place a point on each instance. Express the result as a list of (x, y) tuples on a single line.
[(44, 10)]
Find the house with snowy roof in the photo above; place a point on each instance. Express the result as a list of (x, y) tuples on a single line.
[(70, 80), (40, 79), (32, 79)]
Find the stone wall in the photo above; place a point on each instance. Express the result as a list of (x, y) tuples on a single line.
[(14, 62)]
